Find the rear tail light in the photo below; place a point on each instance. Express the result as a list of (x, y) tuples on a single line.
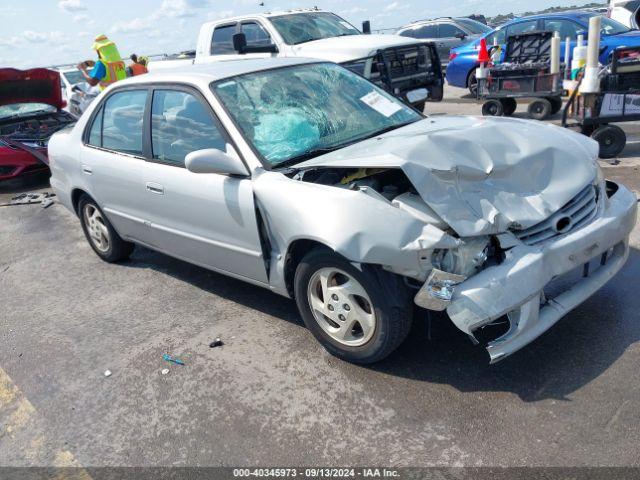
[(452, 55)]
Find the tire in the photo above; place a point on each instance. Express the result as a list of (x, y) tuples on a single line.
[(472, 83), (492, 108), (509, 106), (104, 240), (539, 109), (612, 140), (556, 104), (370, 315)]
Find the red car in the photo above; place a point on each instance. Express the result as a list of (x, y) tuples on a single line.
[(30, 112)]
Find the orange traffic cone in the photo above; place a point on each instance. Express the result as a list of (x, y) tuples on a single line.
[(483, 53)]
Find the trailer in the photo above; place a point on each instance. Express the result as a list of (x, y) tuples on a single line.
[(525, 72), (595, 114)]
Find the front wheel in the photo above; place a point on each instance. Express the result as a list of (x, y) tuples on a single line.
[(492, 108), (360, 315), (540, 109), (100, 234), (611, 139)]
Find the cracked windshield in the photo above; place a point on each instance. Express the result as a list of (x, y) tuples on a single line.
[(291, 114)]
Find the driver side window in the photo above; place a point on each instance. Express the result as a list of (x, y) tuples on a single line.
[(181, 124)]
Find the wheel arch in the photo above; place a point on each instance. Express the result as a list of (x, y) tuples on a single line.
[(296, 251), (76, 193)]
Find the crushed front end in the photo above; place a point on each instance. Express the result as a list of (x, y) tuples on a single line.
[(587, 239)]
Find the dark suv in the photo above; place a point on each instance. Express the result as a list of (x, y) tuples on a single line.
[(446, 33)]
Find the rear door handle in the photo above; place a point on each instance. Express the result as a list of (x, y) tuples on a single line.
[(87, 169), (155, 188)]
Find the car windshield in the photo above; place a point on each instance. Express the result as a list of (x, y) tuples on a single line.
[(294, 113), (611, 27), (24, 109), (74, 76), (473, 26), (306, 27)]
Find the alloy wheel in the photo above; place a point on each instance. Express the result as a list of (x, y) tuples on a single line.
[(341, 306), (98, 232)]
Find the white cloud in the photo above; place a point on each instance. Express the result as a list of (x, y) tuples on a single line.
[(132, 26), (71, 5), (214, 15), (396, 6), (83, 18)]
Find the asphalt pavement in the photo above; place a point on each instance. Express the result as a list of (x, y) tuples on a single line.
[(271, 395)]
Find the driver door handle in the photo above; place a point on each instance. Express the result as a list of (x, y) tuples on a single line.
[(155, 188)]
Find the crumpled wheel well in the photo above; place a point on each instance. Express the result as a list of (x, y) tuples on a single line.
[(295, 253)]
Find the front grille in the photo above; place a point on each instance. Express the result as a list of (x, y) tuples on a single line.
[(402, 62), (578, 212)]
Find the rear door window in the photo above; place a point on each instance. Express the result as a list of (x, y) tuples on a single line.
[(425, 31), (449, 30), (566, 28), (522, 27), (119, 123), (222, 41), (182, 123)]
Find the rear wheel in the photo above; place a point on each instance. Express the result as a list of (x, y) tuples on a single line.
[(611, 139), (472, 83), (360, 315), (540, 109), (556, 104), (100, 234), (492, 108), (509, 106)]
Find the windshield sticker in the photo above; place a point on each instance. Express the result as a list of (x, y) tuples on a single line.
[(380, 104)]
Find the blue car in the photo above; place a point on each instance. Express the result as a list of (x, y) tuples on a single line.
[(463, 60)]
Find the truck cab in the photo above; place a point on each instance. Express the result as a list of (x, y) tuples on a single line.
[(405, 67)]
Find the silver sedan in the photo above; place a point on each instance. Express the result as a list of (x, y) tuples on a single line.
[(306, 179)]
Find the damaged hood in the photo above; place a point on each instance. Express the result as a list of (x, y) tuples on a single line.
[(37, 85), (481, 175), (351, 47)]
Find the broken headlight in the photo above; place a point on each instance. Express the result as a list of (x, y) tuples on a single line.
[(465, 260)]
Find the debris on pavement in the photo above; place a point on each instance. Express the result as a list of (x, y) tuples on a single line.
[(164, 371), (216, 343), (107, 373), (45, 198), (171, 359)]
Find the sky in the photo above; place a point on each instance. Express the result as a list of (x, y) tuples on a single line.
[(51, 32)]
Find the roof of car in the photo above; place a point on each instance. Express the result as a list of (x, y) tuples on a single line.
[(581, 14), (211, 72), (266, 15), (439, 19)]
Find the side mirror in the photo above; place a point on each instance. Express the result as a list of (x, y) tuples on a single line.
[(212, 160), (240, 45), (239, 42), (461, 35), (366, 27)]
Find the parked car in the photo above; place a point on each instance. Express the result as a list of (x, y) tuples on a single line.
[(30, 112), (445, 32), (407, 68), (627, 12), (304, 178), (69, 77), (463, 61)]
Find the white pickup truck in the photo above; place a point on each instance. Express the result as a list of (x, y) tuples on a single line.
[(406, 67)]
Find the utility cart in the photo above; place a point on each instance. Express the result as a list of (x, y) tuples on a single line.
[(618, 101), (525, 72)]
